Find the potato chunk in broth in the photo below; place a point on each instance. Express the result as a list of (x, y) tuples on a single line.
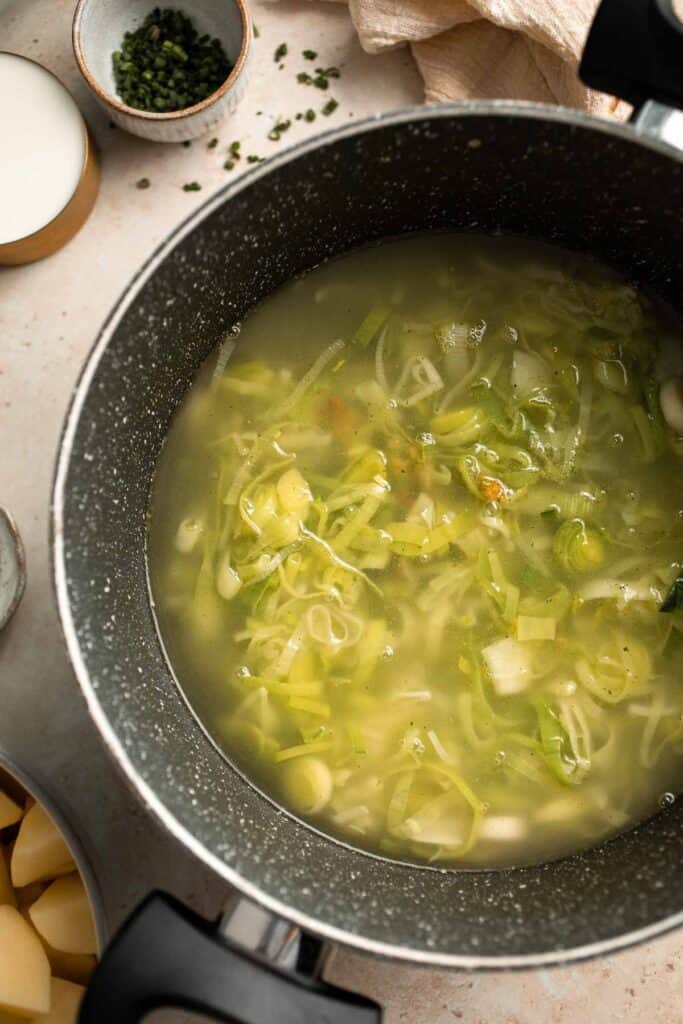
[(409, 539)]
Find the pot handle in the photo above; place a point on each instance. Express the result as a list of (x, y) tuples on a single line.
[(634, 50), (167, 956)]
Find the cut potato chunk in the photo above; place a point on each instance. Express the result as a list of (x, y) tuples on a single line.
[(6, 891), (40, 851), (62, 916), (24, 967), (29, 894), (75, 967), (64, 1003), (10, 812)]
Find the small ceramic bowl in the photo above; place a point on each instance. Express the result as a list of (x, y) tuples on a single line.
[(98, 30), (12, 567)]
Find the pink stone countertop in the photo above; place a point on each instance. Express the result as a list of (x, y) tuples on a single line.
[(49, 314)]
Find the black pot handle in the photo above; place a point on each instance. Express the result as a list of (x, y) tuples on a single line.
[(167, 956), (634, 50)]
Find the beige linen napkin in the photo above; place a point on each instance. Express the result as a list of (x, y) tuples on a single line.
[(489, 49)]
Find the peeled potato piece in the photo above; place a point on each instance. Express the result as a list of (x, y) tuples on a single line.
[(39, 851), (64, 1003), (10, 812), (24, 967), (62, 916), (75, 967), (6, 891), (29, 894)]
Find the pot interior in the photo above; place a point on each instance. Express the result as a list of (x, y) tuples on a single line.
[(528, 171)]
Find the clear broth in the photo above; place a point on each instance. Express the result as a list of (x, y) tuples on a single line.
[(479, 672)]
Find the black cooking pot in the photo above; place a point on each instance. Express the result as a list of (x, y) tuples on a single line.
[(610, 190)]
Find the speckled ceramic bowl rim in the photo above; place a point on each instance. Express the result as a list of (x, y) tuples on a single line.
[(357, 942), (173, 115), (9, 765), (20, 556)]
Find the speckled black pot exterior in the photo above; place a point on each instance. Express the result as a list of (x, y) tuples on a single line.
[(528, 170)]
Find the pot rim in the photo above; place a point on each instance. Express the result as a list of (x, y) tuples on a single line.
[(333, 934)]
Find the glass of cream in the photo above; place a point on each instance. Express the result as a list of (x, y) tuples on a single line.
[(48, 169)]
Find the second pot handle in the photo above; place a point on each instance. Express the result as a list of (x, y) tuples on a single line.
[(634, 50), (167, 956)]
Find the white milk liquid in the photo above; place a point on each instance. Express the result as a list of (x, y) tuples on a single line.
[(42, 147)]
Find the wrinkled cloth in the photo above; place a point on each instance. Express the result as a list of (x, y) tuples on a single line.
[(489, 49)]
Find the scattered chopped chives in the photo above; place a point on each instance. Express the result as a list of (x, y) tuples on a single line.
[(212, 144), (234, 150), (253, 159), (192, 186), (309, 115), (309, 54), (165, 65), (280, 52), (229, 165), (277, 130), (329, 107), (256, 31), (143, 183), (322, 77)]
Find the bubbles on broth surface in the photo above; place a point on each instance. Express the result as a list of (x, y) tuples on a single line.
[(408, 546)]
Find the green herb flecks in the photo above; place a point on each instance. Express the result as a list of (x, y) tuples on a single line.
[(674, 599), (192, 186), (323, 76), (253, 159), (329, 107), (256, 31), (278, 129), (321, 79), (143, 183), (229, 165), (309, 54), (212, 144), (166, 65), (280, 52)]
